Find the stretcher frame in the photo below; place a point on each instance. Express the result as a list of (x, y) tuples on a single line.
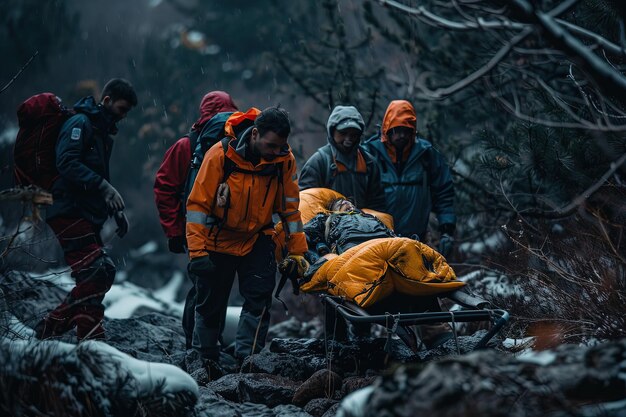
[(473, 309)]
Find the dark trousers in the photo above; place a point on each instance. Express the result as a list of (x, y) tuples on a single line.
[(257, 277), (189, 315), (189, 312)]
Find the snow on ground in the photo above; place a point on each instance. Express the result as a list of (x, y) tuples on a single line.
[(145, 249), (476, 248), (541, 358), (355, 403), (493, 284), (150, 378), (148, 374), (124, 298)]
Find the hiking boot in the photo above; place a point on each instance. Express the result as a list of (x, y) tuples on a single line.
[(88, 321), (56, 323), (53, 326), (213, 369)]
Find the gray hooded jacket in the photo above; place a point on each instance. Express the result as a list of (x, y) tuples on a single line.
[(330, 168)]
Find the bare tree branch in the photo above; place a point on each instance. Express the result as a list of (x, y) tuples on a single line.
[(441, 93), (19, 72), (515, 111), (610, 80), (603, 42), (443, 23)]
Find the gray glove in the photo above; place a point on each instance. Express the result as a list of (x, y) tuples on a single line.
[(112, 198), (122, 223), (446, 243)]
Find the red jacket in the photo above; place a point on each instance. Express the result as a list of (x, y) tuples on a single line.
[(172, 174)]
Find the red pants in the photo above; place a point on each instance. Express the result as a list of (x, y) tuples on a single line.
[(79, 239), (93, 271)]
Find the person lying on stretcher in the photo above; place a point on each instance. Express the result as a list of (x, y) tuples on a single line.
[(342, 228), (345, 227)]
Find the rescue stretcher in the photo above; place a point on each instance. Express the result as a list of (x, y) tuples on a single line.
[(352, 285), (472, 309)]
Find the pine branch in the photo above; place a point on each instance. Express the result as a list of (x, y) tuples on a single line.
[(576, 202)]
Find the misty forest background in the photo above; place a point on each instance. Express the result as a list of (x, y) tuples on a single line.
[(525, 99)]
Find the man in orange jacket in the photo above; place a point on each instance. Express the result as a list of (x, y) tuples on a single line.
[(244, 179)]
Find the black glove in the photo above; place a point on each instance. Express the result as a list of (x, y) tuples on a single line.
[(177, 244), (294, 266), (202, 266), (112, 198), (122, 223), (446, 243)]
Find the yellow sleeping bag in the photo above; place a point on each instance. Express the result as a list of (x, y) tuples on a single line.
[(375, 269)]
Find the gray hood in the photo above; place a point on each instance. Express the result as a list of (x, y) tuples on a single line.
[(345, 116)]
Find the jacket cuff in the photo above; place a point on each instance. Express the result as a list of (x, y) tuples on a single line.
[(447, 228)]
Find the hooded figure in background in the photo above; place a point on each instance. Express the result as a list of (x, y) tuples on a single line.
[(172, 174), (343, 165), (415, 176), (169, 185)]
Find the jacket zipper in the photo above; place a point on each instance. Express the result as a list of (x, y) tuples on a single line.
[(267, 191), (247, 204)]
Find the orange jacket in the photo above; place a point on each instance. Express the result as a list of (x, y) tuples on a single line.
[(253, 200)]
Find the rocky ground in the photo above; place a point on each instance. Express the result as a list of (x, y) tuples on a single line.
[(296, 375)]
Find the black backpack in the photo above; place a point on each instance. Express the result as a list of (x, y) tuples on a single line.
[(211, 133)]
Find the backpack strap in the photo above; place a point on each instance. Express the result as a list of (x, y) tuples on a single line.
[(334, 168), (229, 164), (275, 170), (193, 137)]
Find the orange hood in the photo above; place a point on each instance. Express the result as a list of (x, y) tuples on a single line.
[(400, 113)]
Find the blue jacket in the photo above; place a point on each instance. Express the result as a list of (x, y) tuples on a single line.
[(355, 175), (424, 185), (83, 151)]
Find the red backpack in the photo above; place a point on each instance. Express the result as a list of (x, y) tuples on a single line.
[(40, 119)]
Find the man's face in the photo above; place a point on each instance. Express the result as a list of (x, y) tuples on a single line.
[(268, 146), (342, 205), (118, 108), (347, 139), (400, 136)]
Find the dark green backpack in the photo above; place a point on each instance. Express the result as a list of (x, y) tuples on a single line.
[(211, 133)]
